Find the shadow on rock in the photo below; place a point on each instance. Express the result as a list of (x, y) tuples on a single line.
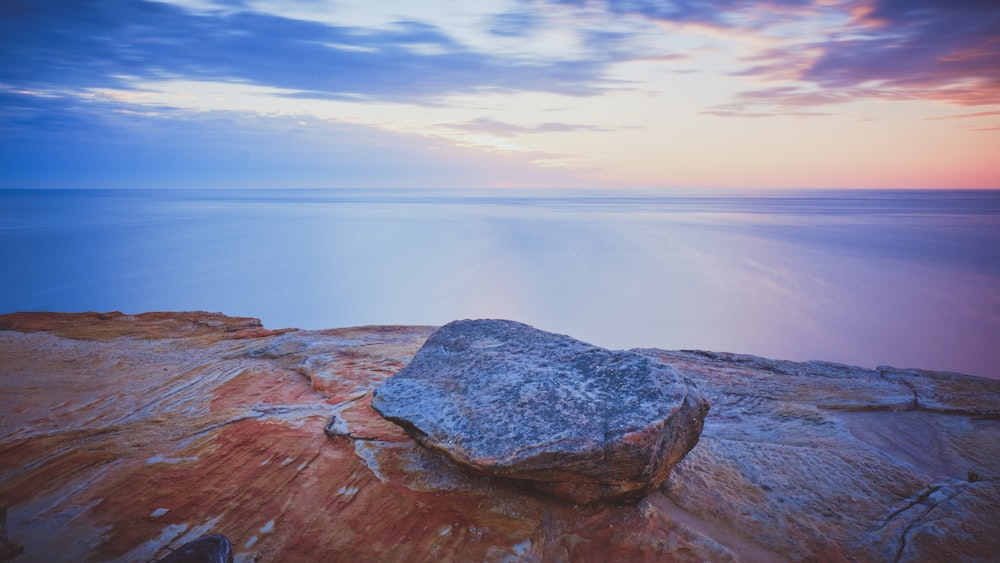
[(209, 549)]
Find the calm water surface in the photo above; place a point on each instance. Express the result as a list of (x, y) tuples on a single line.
[(910, 279)]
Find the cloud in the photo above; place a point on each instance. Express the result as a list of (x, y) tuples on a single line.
[(947, 50), (721, 13), (963, 115), (724, 111), (971, 116), (70, 44), (793, 96), (68, 142), (503, 129), (942, 50), (778, 101), (514, 24)]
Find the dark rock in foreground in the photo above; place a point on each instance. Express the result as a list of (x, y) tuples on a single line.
[(209, 549), (580, 422)]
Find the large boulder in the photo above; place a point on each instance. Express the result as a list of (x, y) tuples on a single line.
[(575, 420)]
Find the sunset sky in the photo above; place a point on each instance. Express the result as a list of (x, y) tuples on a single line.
[(545, 93)]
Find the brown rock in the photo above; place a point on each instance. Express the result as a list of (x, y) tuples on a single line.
[(116, 447), (156, 325)]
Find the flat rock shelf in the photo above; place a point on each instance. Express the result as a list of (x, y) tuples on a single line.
[(124, 438)]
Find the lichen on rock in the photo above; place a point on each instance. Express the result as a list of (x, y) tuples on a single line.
[(577, 421)]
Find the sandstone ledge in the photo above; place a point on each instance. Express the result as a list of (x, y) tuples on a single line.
[(124, 435)]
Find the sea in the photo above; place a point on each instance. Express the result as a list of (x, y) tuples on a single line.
[(868, 278)]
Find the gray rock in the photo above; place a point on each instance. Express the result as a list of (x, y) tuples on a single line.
[(208, 549), (828, 462), (580, 422)]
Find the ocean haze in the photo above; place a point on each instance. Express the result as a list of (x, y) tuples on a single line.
[(904, 278)]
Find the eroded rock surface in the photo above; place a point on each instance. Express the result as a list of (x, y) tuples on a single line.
[(575, 420), (209, 549), (125, 436), (827, 461)]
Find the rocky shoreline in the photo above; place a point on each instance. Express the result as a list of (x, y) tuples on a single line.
[(123, 437)]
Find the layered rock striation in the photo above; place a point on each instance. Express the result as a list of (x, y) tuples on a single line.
[(126, 437), (575, 420)]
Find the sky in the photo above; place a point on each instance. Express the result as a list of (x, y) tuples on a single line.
[(500, 93)]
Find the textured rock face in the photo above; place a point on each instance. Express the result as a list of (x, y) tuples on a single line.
[(577, 421), (831, 462), (123, 437), (209, 549)]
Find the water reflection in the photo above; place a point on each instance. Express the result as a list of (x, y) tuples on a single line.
[(902, 278)]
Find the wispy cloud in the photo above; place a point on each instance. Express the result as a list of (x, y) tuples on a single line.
[(66, 44), (514, 24), (101, 142), (963, 115), (946, 50), (503, 129), (738, 111), (721, 13), (781, 101), (639, 86), (974, 116), (943, 50)]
